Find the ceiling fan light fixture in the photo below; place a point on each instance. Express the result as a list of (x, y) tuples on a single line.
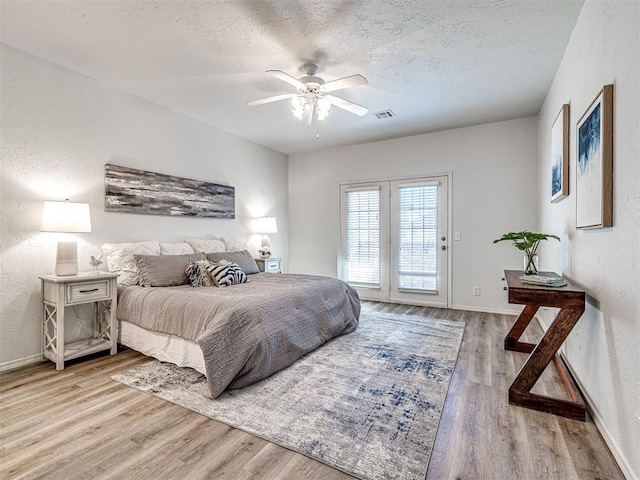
[(298, 104), (303, 103), (323, 106)]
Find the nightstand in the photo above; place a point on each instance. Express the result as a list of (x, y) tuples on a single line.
[(269, 265), (59, 292)]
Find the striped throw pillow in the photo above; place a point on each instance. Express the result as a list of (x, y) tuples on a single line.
[(198, 274), (224, 273)]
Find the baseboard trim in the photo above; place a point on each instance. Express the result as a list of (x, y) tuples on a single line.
[(597, 417), (600, 423), (21, 362)]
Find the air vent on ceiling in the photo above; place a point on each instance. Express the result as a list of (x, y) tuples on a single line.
[(384, 114)]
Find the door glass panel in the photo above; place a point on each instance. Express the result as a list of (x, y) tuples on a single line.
[(418, 237), (363, 237)]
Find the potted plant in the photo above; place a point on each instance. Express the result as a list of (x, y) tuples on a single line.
[(528, 242)]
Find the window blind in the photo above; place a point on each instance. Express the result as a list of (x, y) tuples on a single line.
[(418, 237), (363, 236)]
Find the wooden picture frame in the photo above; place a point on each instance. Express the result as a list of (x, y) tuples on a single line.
[(594, 163), (128, 190), (560, 155)]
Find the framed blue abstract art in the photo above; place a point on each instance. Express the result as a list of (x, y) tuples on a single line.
[(560, 155), (594, 169)]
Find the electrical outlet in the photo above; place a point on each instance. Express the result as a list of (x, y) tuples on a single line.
[(476, 291), (456, 236)]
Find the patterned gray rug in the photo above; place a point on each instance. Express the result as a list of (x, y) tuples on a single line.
[(367, 403)]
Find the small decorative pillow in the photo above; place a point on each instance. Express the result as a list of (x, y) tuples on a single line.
[(198, 274), (226, 273)]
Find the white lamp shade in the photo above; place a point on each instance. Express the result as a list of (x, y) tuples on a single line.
[(67, 217), (266, 225)]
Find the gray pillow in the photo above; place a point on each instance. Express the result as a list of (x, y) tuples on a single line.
[(164, 270), (244, 260)]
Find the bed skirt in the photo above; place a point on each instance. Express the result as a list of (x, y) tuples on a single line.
[(164, 347)]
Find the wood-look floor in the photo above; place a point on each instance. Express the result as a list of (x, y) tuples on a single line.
[(80, 424)]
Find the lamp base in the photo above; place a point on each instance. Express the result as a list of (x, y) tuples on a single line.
[(67, 258), (266, 241)]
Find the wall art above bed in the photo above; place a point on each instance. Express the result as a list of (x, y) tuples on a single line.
[(128, 190)]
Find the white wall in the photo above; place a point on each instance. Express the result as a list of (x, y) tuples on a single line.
[(494, 191), (604, 348), (58, 130)]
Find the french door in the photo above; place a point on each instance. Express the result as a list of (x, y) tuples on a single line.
[(394, 240)]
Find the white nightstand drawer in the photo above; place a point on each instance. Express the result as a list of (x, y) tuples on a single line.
[(272, 266), (269, 265), (88, 291)]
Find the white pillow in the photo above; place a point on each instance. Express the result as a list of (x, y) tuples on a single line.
[(234, 245), (120, 259), (178, 248), (213, 245)]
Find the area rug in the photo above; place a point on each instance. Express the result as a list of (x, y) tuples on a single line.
[(367, 403)]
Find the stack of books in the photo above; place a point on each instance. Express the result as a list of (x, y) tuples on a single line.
[(543, 281)]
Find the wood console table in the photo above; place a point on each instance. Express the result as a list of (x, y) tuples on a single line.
[(571, 301)]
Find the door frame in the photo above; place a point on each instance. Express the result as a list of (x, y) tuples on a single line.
[(449, 178)]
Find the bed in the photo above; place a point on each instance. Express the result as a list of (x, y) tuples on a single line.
[(238, 334)]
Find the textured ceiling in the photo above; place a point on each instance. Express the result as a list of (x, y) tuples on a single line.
[(437, 64)]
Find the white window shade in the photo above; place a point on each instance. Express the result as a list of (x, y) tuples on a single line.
[(363, 236), (418, 237)]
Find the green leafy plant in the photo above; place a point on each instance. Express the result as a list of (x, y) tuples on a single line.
[(528, 242)]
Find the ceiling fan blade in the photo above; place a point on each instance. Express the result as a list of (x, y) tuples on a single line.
[(347, 105), (346, 82), (271, 99), (285, 77)]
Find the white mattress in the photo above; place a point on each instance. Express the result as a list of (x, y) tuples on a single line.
[(164, 347)]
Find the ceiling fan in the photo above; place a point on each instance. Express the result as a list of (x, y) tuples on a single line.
[(312, 94)]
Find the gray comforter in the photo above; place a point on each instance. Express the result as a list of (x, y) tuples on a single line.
[(248, 331)]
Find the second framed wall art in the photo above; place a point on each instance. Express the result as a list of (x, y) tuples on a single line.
[(594, 165)]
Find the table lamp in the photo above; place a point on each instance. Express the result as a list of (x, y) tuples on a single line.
[(266, 225), (66, 217)]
